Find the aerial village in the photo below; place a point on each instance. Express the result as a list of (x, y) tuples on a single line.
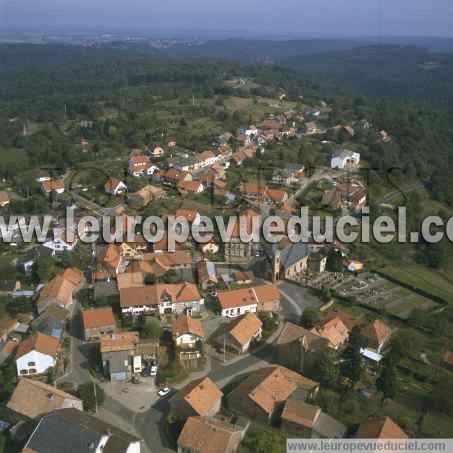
[(214, 346)]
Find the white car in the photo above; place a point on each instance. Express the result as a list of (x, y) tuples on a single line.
[(163, 392), (153, 370)]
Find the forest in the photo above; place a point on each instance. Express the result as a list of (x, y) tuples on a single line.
[(72, 82)]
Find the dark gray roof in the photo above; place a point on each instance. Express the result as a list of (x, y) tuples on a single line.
[(327, 427), (294, 253), (51, 321), (74, 431)]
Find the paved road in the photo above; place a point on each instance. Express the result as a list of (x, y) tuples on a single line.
[(295, 299), (79, 368)]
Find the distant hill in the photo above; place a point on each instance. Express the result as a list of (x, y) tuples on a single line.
[(384, 71)]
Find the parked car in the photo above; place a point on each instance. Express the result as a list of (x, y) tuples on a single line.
[(163, 392)]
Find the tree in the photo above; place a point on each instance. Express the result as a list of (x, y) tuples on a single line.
[(91, 394), (152, 329), (387, 381), (150, 279), (44, 268), (352, 362), (326, 369), (441, 398), (310, 317), (334, 262)]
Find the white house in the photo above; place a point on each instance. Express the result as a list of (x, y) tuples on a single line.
[(345, 159), (187, 331), (161, 298), (207, 159), (115, 187), (237, 302), (37, 354)]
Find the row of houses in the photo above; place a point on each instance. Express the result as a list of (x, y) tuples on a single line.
[(54, 421)]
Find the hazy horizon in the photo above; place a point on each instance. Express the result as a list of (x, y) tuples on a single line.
[(303, 18)]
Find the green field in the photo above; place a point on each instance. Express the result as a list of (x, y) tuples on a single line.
[(436, 283)]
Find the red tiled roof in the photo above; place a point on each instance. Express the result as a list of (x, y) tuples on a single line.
[(98, 317)]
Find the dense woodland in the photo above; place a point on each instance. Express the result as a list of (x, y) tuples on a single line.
[(69, 83)]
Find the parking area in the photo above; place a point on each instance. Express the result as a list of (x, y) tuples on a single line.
[(136, 397)]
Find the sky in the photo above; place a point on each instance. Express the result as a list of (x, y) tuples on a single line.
[(271, 17)]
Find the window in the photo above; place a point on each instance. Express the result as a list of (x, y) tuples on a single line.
[(32, 371), (23, 372), (31, 364)]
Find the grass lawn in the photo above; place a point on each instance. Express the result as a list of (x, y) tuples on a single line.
[(261, 437), (437, 425), (434, 282)]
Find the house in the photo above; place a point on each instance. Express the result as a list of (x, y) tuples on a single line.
[(7, 326), (190, 215), (243, 277), (97, 322), (207, 275), (118, 352), (187, 331), (240, 333), (238, 302), (350, 195), (114, 186), (252, 190), (52, 185), (4, 198), (157, 152), (380, 428), (111, 260), (377, 335), (184, 163), (147, 194), (210, 435), (275, 196), (36, 354), (140, 165), (312, 128), (209, 247), (199, 397), (298, 348), (345, 159), (60, 242), (190, 187), (289, 175), (78, 432), (264, 392), (309, 421), (334, 330), (32, 398), (174, 176), (161, 298), (354, 266), (52, 321), (207, 158), (59, 290), (384, 136)]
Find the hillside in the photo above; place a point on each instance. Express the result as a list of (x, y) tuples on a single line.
[(389, 71)]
